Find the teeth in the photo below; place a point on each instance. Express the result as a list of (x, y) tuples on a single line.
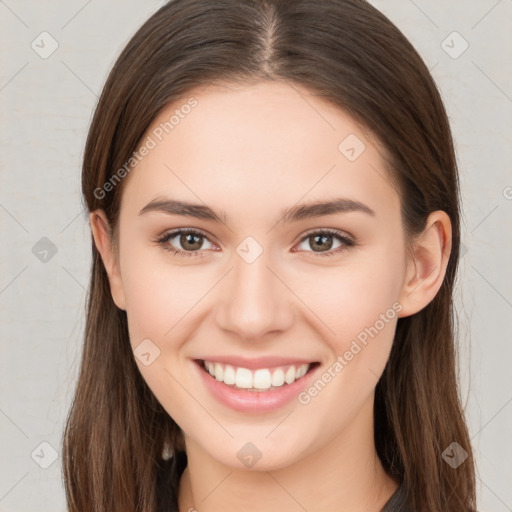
[(261, 379), (219, 371), (278, 377), (301, 371), (290, 374), (243, 378), (229, 375)]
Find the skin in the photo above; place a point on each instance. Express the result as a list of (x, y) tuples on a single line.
[(251, 151)]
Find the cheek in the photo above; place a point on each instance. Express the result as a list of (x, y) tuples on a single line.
[(351, 298), (158, 299), (158, 294), (359, 304), (343, 301), (359, 350)]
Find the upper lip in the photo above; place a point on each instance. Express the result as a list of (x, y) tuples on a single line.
[(256, 362)]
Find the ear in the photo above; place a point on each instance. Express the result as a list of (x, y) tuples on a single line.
[(427, 264), (102, 238)]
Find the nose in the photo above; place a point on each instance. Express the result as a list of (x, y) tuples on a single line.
[(254, 301)]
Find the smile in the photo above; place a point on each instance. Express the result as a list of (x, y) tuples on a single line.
[(262, 379), (262, 388)]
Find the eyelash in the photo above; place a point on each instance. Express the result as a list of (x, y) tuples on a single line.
[(162, 241)]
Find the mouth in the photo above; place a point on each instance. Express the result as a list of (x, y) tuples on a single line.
[(257, 380)]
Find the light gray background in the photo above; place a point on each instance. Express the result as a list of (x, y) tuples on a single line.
[(46, 107)]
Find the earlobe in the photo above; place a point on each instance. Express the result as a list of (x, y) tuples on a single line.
[(102, 239), (427, 264)]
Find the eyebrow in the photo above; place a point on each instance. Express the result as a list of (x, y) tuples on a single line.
[(289, 215)]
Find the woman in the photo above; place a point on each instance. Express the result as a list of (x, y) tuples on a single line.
[(273, 199)]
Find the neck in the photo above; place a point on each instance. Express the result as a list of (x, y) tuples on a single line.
[(346, 474)]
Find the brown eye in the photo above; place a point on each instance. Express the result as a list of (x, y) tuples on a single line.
[(191, 241), (184, 242), (320, 242), (325, 243)]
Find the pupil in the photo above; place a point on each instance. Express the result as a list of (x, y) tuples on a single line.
[(323, 240), (185, 239), (318, 241)]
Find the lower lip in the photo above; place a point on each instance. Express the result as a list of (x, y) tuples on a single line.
[(253, 401)]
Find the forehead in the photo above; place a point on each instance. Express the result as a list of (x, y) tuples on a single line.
[(234, 147)]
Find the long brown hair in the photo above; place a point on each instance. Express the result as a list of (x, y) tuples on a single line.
[(351, 55)]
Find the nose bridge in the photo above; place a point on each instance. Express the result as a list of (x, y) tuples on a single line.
[(254, 301)]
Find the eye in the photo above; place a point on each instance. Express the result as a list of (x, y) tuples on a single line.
[(191, 240), (319, 240)]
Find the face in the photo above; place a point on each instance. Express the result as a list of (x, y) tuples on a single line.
[(253, 284)]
